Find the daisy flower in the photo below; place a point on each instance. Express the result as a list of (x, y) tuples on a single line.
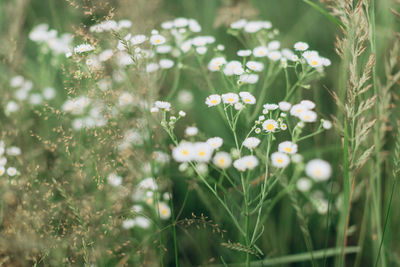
[(202, 152), (318, 169), (2, 170), (284, 106), (233, 67), (215, 142), (251, 142), (255, 66), (166, 63), (157, 39), (247, 98), (287, 147), (238, 106), (303, 184), (297, 110), (270, 125), (216, 63), (308, 104), (138, 39), (230, 98), (114, 179), (191, 131), (164, 210), (213, 100), (222, 160), (270, 106), (280, 160), (249, 78), (83, 48), (246, 163), (308, 116), (163, 105), (301, 46), (243, 53), (183, 152), (260, 51), (275, 55), (326, 124)]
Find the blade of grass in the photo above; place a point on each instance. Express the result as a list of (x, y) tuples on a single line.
[(325, 13)]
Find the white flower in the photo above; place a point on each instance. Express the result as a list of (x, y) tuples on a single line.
[(297, 110), (303, 184), (216, 63), (114, 179), (142, 222), (83, 48), (301, 46), (315, 61), (284, 106), (222, 160), (182, 113), (247, 98), (13, 151), (283, 126), (326, 62), (297, 158), (49, 93), (17, 81), (164, 211), (128, 223), (215, 142), (35, 99), (318, 169), (2, 170), (251, 142), (125, 99), (12, 106), (243, 53), (249, 78), (163, 49), (260, 51), (270, 125), (326, 124), (275, 55), (138, 39), (230, 98), (202, 152), (238, 24), (308, 116), (233, 68), (185, 97), (270, 106), (274, 45), (181, 22), (310, 54), (308, 104), (287, 147), (238, 106), (253, 26), (157, 39), (11, 171), (163, 105), (166, 63), (213, 100), (201, 50), (280, 160), (147, 184), (255, 66), (191, 131), (154, 110), (183, 152), (246, 163)]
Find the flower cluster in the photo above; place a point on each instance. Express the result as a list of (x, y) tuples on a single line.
[(5, 152)]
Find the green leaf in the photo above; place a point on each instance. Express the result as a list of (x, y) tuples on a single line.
[(325, 13)]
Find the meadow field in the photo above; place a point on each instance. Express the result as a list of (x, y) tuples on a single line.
[(199, 133)]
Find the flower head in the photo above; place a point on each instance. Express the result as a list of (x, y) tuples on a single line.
[(230, 98), (287, 147), (280, 160), (318, 169), (157, 39), (222, 160), (247, 98), (270, 125), (213, 100), (246, 163), (183, 152), (202, 152), (251, 142), (215, 142)]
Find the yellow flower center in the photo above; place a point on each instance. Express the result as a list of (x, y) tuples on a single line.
[(164, 212), (279, 160), (247, 100), (221, 161), (314, 63), (157, 41), (202, 153), (214, 101), (288, 149), (230, 99), (270, 127), (185, 152)]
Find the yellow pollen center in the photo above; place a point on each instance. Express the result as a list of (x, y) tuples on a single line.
[(279, 160), (314, 62), (214, 101), (318, 173), (270, 126), (247, 100), (185, 152), (164, 212), (288, 149), (202, 153), (157, 41), (221, 161), (249, 164), (230, 99), (299, 111)]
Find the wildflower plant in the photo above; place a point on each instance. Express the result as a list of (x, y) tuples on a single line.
[(243, 176)]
